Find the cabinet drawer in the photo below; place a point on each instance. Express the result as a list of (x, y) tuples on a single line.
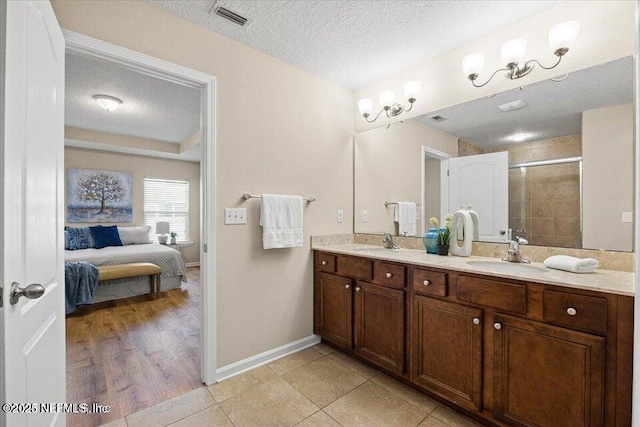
[(391, 275), (492, 293), (326, 262), (357, 268), (429, 282), (579, 312)]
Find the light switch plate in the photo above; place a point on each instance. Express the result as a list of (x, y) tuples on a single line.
[(340, 215), (235, 215), (365, 216), (627, 216)]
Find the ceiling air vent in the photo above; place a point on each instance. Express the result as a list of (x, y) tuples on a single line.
[(230, 14), (438, 118)]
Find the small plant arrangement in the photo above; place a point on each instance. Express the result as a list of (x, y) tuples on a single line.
[(444, 234), (173, 237)]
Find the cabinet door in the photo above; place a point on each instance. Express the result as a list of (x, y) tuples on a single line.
[(333, 311), (547, 376), (379, 325), (447, 350)]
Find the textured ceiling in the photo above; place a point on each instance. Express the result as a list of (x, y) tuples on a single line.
[(555, 108), (152, 108), (355, 43)]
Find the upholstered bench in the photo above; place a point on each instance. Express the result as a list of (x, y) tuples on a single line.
[(123, 271)]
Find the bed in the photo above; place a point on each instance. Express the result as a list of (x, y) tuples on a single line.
[(168, 259)]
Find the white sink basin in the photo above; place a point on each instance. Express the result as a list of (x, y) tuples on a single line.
[(507, 267), (375, 250)]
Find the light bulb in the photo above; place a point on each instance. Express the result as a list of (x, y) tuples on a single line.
[(473, 63), (365, 106), (387, 98), (563, 35), (412, 89), (514, 51)]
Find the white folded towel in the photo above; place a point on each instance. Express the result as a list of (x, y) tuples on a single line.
[(281, 221), (406, 216), (572, 264)]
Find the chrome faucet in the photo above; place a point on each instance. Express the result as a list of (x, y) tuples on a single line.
[(513, 254), (388, 242)]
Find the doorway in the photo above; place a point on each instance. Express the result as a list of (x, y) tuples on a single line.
[(78, 44)]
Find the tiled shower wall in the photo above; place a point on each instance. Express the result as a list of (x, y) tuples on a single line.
[(544, 201)]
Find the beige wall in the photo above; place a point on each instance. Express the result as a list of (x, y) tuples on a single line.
[(279, 130), (607, 32), (145, 167), (388, 167), (607, 146)]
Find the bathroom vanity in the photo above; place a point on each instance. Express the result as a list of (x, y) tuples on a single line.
[(508, 345)]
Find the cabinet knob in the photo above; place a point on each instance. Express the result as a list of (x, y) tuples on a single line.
[(426, 283), (324, 262), (572, 311), (497, 325), (476, 321), (357, 288), (347, 286), (389, 275)]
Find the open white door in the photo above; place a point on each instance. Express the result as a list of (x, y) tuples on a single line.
[(32, 173), (482, 182)]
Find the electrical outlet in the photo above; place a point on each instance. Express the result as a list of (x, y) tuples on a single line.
[(627, 216), (340, 215), (235, 215), (365, 216)]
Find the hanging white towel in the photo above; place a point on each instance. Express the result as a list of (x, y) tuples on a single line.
[(406, 216), (572, 264), (281, 221)]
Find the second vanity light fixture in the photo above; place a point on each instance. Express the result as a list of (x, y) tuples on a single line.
[(562, 37), (387, 102)]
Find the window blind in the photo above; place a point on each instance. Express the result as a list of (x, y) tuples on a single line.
[(167, 200)]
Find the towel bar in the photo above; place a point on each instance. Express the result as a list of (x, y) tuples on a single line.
[(248, 196), (387, 204)]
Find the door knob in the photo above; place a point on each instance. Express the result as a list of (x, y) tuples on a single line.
[(347, 286), (389, 275), (324, 262), (572, 311), (357, 288), (426, 283), (503, 232), (476, 321), (33, 291), (497, 325)]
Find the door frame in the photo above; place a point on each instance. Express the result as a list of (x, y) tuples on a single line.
[(84, 45), (428, 152)]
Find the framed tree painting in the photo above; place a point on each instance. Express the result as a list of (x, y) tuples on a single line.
[(99, 196)]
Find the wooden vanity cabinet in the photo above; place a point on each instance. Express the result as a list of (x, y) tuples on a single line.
[(447, 350), (546, 375), (508, 352)]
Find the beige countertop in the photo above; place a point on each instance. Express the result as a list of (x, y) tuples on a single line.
[(614, 282)]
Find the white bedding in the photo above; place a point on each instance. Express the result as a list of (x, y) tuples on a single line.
[(168, 259)]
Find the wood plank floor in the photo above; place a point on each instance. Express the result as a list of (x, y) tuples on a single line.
[(134, 353)]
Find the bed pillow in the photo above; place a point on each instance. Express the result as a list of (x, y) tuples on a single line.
[(105, 236), (78, 238), (138, 235)]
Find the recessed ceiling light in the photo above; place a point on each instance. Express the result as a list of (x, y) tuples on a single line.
[(519, 137), (513, 105), (107, 102)]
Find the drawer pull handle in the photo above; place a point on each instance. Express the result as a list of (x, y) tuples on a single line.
[(426, 283), (389, 275), (476, 321), (572, 311), (347, 286), (497, 325), (357, 288), (324, 262)]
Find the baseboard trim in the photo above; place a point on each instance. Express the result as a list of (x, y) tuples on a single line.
[(192, 264), (266, 357)]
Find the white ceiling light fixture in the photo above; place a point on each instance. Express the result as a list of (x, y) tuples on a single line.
[(387, 102), (519, 137), (109, 103), (513, 105), (562, 37)]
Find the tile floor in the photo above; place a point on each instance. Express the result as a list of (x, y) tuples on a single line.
[(314, 387)]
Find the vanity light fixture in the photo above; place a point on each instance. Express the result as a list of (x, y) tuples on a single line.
[(387, 102), (562, 37), (109, 103)]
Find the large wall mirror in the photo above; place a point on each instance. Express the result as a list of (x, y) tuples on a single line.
[(550, 163)]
